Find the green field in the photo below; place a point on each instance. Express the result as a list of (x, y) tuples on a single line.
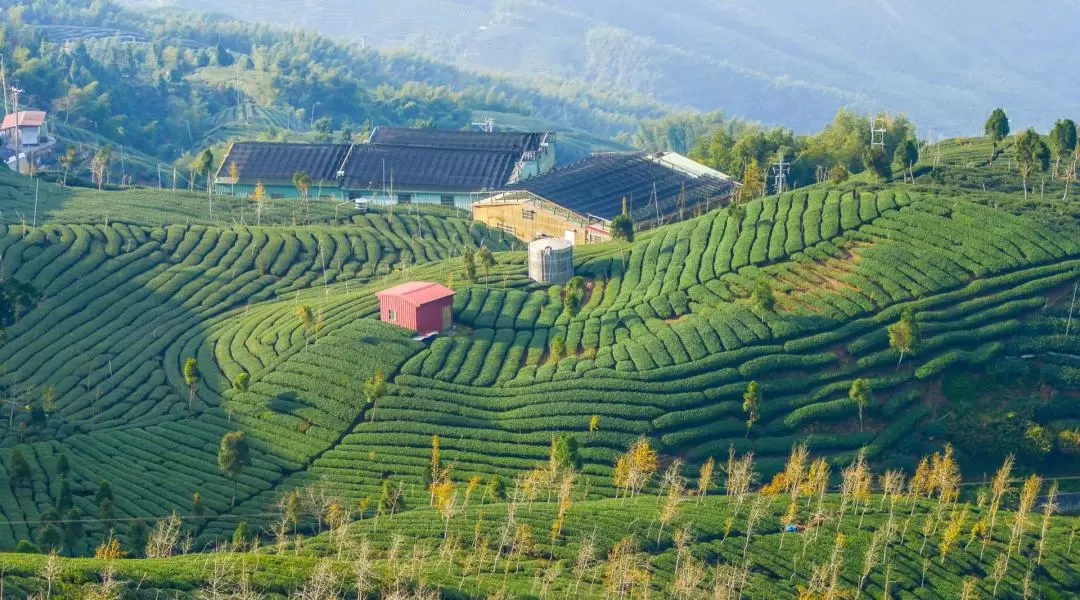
[(887, 551), (132, 284)]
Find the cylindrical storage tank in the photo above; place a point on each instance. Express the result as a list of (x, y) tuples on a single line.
[(551, 260)]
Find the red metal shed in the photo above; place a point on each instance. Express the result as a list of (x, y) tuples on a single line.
[(422, 306)]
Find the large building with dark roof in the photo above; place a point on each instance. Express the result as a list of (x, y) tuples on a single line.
[(577, 202), (402, 166)]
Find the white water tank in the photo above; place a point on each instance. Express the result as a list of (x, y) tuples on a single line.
[(551, 260)]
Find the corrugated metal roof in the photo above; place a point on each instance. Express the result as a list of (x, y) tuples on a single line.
[(597, 185), (448, 139), (277, 162), (25, 118), (418, 292), (378, 166)]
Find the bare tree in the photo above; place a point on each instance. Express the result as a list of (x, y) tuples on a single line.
[(164, 538)]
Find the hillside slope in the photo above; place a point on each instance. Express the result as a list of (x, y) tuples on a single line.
[(774, 61), (664, 345)]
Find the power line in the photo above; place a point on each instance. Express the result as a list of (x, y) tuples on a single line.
[(147, 518)]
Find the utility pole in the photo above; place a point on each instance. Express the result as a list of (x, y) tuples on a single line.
[(1068, 325), (3, 77), (18, 129), (780, 169)]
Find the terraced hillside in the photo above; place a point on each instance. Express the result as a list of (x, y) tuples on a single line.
[(664, 345), (122, 307)]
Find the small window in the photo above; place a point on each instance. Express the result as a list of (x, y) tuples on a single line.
[(404, 198), (391, 316), (528, 214), (447, 201), (505, 227)]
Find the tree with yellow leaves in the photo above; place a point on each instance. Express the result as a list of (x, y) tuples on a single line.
[(634, 469), (259, 198), (705, 477), (1028, 495), (817, 482), (998, 489), (474, 482), (446, 501), (670, 509), (1049, 506), (740, 475), (952, 532)]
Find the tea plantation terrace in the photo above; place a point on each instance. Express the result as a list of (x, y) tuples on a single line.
[(663, 344)]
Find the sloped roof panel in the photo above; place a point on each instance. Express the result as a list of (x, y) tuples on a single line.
[(25, 118), (277, 162), (378, 166), (597, 185), (448, 139), (418, 292)]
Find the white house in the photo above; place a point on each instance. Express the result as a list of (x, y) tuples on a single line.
[(31, 126)]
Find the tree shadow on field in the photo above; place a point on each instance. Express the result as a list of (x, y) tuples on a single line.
[(286, 403)]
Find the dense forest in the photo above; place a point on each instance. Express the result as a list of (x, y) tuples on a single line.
[(164, 83)]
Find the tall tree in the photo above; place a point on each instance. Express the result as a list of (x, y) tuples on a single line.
[(904, 158), (100, 165), (622, 226), (375, 388), (904, 335), (877, 162), (191, 378), (1063, 141), (573, 292), (997, 129), (564, 453), (17, 467), (763, 297), (487, 260), (259, 196), (302, 181), (468, 261), (233, 456), (324, 130), (200, 165), (862, 394), (753, 182), (1032, 153), (751, 404)]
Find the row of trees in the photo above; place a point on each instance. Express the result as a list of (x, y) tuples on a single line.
[(1033, 152)]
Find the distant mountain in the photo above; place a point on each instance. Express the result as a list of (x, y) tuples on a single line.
[(780, 61)]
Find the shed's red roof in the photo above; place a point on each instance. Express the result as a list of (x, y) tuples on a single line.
[(26, 118), (418, 292)]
